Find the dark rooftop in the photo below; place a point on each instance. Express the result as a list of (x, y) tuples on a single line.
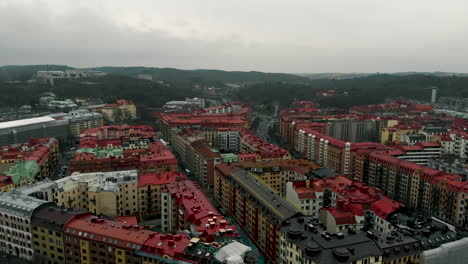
[(52, 217), (280, 209), (432, 233), (323, 247), (323, 173), (397, 245)]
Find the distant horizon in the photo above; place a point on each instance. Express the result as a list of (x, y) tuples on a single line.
[(213, 69)]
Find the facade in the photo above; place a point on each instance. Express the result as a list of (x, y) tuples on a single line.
[(455, 167), (228, 140), (18, 131), (15, 225), (277, 173), (312, 195), (353, 130), (21, 164), (114, 148), (80, 120), (233, 114), (396, 107), (150, 188), (420, 153), (455, 143), (89, 239), (102, 193), (459, 103), (255, 207), (329, 152), (189, 104), (427, 190), (197, 155), (47, 225), (120, 111)]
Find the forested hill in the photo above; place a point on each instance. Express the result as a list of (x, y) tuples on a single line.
[(213, 77), (359, 91), (184, 77), (108, 88)]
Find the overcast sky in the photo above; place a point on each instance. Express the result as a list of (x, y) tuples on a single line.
[(265, 35)]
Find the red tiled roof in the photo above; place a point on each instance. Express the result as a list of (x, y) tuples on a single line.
[(385, 206), (428, 144), (305, 193), (198, 210), (128, 219), (113, 233), (35, 150), (166, 244), (341, 217), (203, 117), (159, 178), (5, 180)]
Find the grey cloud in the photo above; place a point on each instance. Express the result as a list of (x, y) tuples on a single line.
[(33, 33)]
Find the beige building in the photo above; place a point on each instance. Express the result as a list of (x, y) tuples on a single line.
[(80, 120), (120, 111), (108, 193)]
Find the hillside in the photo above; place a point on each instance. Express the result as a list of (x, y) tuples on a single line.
[(25, 72), (209, 77), (108, 88), (339, 75), (360, 91)]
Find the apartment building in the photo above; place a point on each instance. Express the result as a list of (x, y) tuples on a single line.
[(353, 130), (24, 163), (197, 155), (228, 140), (16, 211), (284, 235), (419, 153), (47, 225), (185, 207), (329, 152), (119, 111), (314, 194), (114, 148), (150, 188), (80, 120), (234, 114), (277, 173), (102, 193), (455, 143), (303, 241), (89, 239), (256, 208), (418, 187)]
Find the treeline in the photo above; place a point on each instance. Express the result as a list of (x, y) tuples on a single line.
[(359, 91)]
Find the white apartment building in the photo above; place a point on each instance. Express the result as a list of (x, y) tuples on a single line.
[(15, 223)]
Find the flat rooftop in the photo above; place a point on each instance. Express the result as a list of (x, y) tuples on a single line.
[(25, 122), (277, 205)]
